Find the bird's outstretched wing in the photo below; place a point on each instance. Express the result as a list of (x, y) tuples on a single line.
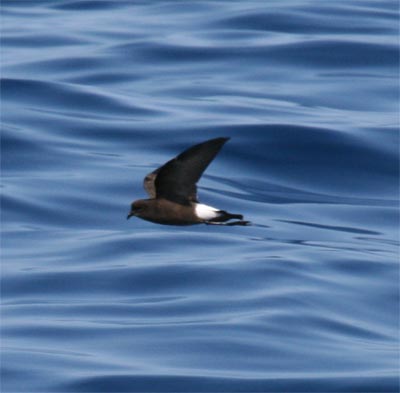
[(176, 180), (148, 183)]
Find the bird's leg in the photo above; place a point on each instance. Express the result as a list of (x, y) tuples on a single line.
[(242, 223)]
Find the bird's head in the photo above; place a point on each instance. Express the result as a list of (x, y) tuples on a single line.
[(138, 208)]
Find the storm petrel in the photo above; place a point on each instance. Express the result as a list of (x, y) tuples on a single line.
[(173, 193)]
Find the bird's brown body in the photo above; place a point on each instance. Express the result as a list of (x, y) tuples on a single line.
[(163, 211), (173, 193)]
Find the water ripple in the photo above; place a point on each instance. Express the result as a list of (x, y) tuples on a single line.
[(96, 94)]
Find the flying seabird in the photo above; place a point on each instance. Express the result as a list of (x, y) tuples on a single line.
[(173, 192)]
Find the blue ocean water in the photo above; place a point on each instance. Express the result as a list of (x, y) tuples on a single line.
[(96, 94)]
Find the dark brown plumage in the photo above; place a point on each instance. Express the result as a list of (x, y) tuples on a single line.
[(173, 192)]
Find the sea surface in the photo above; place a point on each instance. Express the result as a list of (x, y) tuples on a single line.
[(96, 94)]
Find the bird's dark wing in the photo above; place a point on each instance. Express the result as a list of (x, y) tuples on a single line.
[(176, 180), (148, 183)]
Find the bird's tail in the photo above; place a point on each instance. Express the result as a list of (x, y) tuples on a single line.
[(225, 216)]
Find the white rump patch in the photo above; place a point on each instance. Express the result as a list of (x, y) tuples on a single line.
[(206, 212)]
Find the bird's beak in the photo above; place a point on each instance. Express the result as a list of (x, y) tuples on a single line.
[(130, 215)]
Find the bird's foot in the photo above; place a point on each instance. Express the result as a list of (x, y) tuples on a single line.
[(242, 223)]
